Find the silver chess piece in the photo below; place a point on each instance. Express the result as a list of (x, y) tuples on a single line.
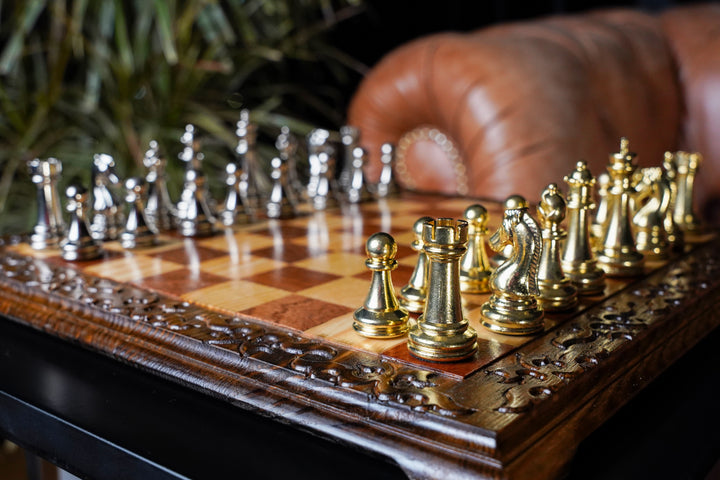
[(138, 233), (357, 190), (317, 141), (235, 207), (350, 138), (107, 218), (195, 217), (387, 185), (322, 186), (246, 133), (49, 229), (287, 146), (79, 244), (159, 209), (282, 202)]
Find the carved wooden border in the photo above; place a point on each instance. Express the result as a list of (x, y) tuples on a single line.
[(481, 424)]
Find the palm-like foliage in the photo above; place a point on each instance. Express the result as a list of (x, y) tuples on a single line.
[(79, 77)]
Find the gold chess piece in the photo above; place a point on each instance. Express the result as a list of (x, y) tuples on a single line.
[(557, 293), (687, 165), (475, 268), (442, 333), (617, 254), (601, 214), (653, 203), (512, 202), (674, 234), (513, 308), (412, 296), (577, 260), (381, 316)]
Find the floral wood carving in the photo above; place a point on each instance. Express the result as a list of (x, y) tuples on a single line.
[(590, 338), (382, 381)]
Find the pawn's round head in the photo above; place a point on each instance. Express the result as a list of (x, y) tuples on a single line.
[(476, 214), (418, 225), (135, 185), (381, 246), (514, 202), (76, 193)]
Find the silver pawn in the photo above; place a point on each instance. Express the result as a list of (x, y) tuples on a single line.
[(137, 233), (49, 229), (357, 189), (235, 208), (159, 210), (281, 203), (78, 244), (107, 219), (387, 184)]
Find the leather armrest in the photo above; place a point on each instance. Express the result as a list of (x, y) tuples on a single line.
[(523, 102)]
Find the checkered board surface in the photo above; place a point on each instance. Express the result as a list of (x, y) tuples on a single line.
[(307, 274)]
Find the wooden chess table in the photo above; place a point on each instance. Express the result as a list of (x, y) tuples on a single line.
[(259, 319)]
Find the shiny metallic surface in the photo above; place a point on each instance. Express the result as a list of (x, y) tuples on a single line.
[(557, 293), (138, 232), (687, 165), (442, 333), (79, 244), (475, 269), (513, 308), (49, 228), (578, 261), (413, 295), (617, 254), (381, 316)]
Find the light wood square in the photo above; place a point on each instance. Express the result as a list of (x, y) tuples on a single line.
[(240, 266), (240, 243), (347, 291), (340, 330), (235, 295), (132, 268), (344, 264)]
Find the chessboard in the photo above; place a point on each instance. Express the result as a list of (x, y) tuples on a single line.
[(307, 275), (271, 302)]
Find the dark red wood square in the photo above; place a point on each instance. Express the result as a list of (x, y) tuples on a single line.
[(297, 311), (292, 279), (179, 282)]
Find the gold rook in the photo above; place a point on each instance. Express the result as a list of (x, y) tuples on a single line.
[(442, 334)]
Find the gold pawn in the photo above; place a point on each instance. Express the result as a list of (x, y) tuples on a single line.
[(442, 334), (687, 165), (412, 296), (381, 316), (475, 268), (557, 293), (577, 260), (617, 254), (653, 199)]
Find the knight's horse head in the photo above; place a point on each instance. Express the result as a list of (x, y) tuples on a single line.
[(505, 235), (519, 272)]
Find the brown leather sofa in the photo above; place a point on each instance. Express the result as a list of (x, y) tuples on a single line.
[(510, 108)]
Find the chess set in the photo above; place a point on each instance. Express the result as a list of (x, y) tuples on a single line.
[(470, 312)]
